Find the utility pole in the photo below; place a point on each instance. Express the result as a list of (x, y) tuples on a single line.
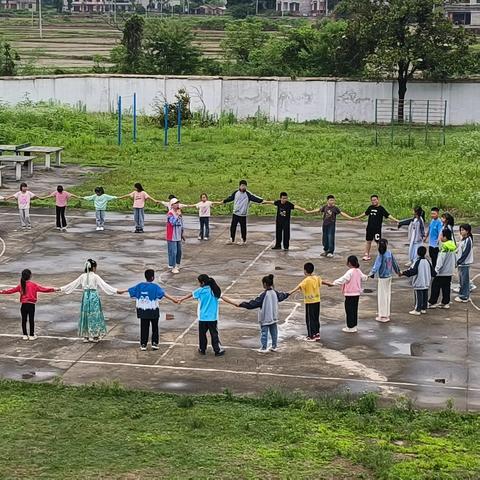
[(40, 18), (256, 8)]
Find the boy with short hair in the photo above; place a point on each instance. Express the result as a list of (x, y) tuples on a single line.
[(421, 271), (241, 201), (282, 221), (147, 295), (23, 196), (433, 234), (375, 213), (310, 287), (330, 212)]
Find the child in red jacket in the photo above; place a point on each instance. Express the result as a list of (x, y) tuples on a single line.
[(28, 298)]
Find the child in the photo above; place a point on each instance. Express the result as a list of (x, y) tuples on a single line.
[(310, 287), (417, 234), (444, 268), (140, 196), (267, 302), (204, 206), (448, 222), (464, 260), (241, 201), (384, 266), (91, 325), (100, 200), (174, 236), (330, 212), (208, 296), (28, 298), (433, 234), (147, 295), (61, 201), (167, 204), (422, 276), (23, 196), (375, 213), (351, 284), (282, 221)]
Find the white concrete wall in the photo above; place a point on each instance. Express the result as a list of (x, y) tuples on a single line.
[(335, 100)]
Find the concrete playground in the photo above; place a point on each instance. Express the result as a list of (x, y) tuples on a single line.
[(431, 359)]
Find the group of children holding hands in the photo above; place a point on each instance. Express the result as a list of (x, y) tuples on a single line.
[(434, 274)]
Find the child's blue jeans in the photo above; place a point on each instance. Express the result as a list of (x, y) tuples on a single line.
[(273, 329)]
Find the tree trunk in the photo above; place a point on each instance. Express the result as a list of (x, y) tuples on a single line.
[(402, 90)]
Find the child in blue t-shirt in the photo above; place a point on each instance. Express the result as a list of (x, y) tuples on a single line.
[(148, 295), (208, 297), (433, 234)]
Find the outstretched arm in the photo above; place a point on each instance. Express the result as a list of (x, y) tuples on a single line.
[(304, 210), (296, 289), (268, 202), (172, 299), (316, 210), (346, 215), (186, 297), (392, 218), (358, 217), (230, 301)]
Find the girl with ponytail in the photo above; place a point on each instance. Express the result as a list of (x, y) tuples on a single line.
[(208, 296), (91, 325), (267, 302), (28, 298)]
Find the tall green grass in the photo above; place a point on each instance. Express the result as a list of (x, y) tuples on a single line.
[(308, 161)]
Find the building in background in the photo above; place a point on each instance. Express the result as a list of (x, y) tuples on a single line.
[(18, 4), (464, 13), (98, 6)]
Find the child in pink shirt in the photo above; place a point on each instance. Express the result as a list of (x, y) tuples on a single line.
[(351, 284), (204, 208), (61, 201), (140, 196), (28, 298), (23, 197)]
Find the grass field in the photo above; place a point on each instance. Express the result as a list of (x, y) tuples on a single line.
[(73, 45), (57, 432), (308, 161)]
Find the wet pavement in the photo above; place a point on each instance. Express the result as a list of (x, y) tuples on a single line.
[(432, 358)]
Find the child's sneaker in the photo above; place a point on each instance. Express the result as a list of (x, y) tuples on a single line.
[(202, 352), (220, 353), (366, 258), (323, 254), (143, 348), (206, 238), (154, 346), (382, 319), (309, 339), (32, 337), (349, 330), (329, 255), (175, 270), (274, 349), (200, 238), (25, 337), (86, 340), (58, 228), (262, 350), (461, 300), (423, 311), (64, 229), (414, 312), (98, 229), (317, 337), (445, 306), (433, 305), (230, 241)]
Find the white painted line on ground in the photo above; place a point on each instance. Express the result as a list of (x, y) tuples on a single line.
[(246, 269), (4, 246), (241, 372)]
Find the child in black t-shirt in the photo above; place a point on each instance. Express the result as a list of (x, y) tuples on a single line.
[(375, 213), (330, 212), (282, 222)]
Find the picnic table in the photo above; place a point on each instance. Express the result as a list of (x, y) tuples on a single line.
[(18, 161), (47, 151), (12, 148)]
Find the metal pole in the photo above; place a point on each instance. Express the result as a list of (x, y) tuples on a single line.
[(134, 118), (40, 18), (165, 124), (119, 120), (392, 120), (376, 120), (444, 120), (410, 121), (426, 122), (179, 122), (256, 8)]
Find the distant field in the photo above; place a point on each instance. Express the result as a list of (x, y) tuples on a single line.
[(73, 45)]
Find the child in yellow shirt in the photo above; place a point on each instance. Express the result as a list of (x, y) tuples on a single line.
[(310, 287)]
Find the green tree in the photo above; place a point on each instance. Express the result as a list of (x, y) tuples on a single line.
[(240, 8), (169, 49), (132, 41), (242, 38), (406, 38), (8, 59)]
